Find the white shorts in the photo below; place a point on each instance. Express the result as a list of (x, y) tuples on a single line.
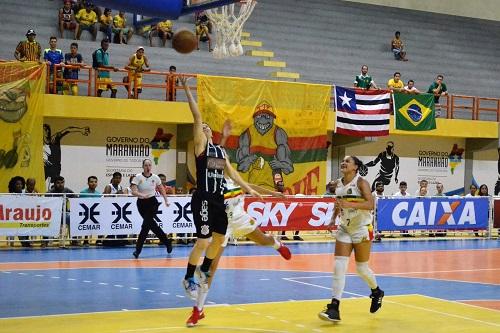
[(355, 236), (239, 224)]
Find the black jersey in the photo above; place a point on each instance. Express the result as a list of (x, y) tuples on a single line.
[(210, 169)]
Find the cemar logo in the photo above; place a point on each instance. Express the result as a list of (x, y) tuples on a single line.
[(415, 112)]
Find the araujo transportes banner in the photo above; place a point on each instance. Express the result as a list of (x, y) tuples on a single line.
[(433, 213)]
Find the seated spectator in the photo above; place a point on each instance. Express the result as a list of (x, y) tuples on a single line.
[(204, 17), (423, 191), (90, 191), (403, 186), (397, 47), (330, 188), (29, 49), (114, 186), (438, 88), (74, 59), (472, 191), (168, 189), (100, 59), (67, 19), (364, 81), (16, 185), (106, 23), (59, 188), (395, 84), (122, 33), (54, 56), (137, 64), (87, 20), (410, 88), (31, 186), (422, 183), (203, 32), (172, 83), (165, 30)]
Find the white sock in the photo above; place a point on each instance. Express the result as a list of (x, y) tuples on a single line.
[(366, 274), (202, 297), (276, 244), (339, 272)]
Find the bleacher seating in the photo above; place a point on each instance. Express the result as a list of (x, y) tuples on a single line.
[(326, 41)]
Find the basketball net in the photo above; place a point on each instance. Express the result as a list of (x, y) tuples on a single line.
[(228, 27)]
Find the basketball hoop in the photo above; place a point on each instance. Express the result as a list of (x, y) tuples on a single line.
[(229, 27)]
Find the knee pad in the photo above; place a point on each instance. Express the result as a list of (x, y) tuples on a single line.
[(363, 269), (341, 264)]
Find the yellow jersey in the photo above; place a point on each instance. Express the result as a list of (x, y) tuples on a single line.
[(86, 18), (119, 21), (165, 25), (137, 63), (392, 84), (107, 20)]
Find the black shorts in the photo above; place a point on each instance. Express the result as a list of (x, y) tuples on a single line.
[(209, 214)]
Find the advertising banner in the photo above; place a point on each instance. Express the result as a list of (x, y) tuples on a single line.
[(22, 215), (496, 213), (436, 213), (119, 216), (303, 213)]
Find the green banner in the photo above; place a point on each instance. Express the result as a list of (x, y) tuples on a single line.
[(414, 112)]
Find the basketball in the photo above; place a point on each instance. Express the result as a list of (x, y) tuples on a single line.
[(184, 41)]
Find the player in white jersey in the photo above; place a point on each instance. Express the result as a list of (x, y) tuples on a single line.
[(354, 203)]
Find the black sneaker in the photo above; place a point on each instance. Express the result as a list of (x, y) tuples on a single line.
[(169, 245), (376, 296), (331, 313), (135, 254)]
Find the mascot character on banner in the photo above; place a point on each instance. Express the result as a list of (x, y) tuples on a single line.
[(279, 129), (22, 86)]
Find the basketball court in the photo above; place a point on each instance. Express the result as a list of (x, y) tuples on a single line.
[(433, 286)]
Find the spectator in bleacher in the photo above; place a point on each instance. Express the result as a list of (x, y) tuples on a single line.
[(422, 192), (102, 61), (114, 186), (72, 58), (439, 190), (472, 191), (438, 88), (364, 81), (106, 23), (59, 188), (203, 32), (395, 84), (90, 191), (54, 56), (483, 191), (403, 186), (410, 88), (87, 20), (137, 64), (202, 16), (165, 31), (67, 19), (397, 47), (172, 83), (422, 183), (122, 33), (16, 185), (168, 189), (31, 186), (29, 49)]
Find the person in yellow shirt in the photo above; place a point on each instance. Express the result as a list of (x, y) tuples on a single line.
[(106, 25), (137, 64), (395, 84), (120, 28), (165, 31), (87, 20), (203, 32)]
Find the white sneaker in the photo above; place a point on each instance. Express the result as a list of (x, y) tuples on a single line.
[(202, 278), (191, 288)]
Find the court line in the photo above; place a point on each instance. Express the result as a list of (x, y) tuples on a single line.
[(412, 306), (198, 328), (465, 300)]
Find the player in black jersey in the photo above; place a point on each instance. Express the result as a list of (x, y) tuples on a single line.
[(207, 203)]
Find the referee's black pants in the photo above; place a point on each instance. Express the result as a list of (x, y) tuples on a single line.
[(148, 209)]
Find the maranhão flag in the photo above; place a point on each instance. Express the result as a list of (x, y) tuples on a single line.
[(362, 112), (414, 112)]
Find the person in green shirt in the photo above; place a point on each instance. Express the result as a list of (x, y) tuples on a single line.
[(438, 88), (364, 81)]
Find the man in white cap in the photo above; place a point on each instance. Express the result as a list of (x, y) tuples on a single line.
[(29, 49), (137, 64)]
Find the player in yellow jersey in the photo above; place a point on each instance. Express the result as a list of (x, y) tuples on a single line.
[(137, 64), (354, 205)]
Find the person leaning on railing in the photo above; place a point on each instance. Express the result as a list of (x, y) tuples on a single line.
[(100, 61)]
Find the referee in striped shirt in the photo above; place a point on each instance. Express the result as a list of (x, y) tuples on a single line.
[(30, 49)]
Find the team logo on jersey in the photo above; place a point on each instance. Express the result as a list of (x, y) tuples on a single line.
[(205, 229)]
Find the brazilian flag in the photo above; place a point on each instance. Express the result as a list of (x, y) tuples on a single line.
[(414, 112)]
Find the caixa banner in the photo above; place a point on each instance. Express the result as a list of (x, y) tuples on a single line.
[(23, 215), (119, 216), (451, 213), (291, 213)]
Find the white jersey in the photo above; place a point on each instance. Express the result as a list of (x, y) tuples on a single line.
[(239, 222), (114, 189), (352, 217), (146, 185)]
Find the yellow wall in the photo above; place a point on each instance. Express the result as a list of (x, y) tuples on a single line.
[(57, 106), (483, 9)]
